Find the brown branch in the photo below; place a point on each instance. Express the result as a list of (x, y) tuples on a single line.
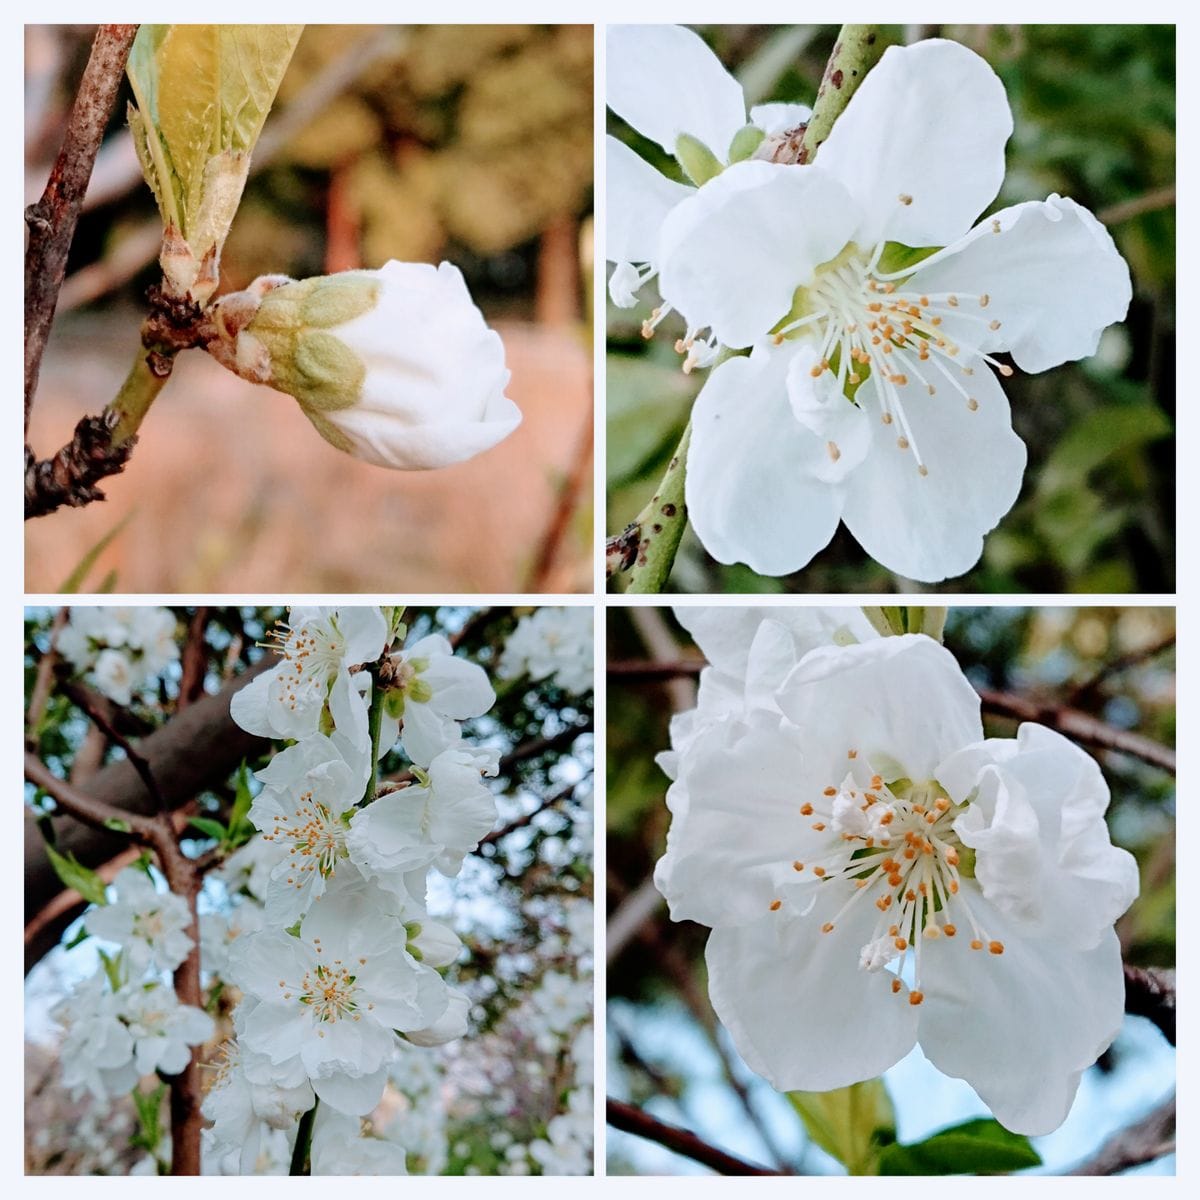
[(1079, 726), (654, 672), (569, 496), (1124, 662), (69, 477), (51, 221), (195, 659), (1163, 197), (527, 818), (476, 621), (1150, 1138), (1150, 993), (102, 721), (631, 1119), (43, 682)]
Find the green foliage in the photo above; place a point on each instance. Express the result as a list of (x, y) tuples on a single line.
[(979, 1147), (854, 1124), (209, 827), (149, 1107), (75, 875)]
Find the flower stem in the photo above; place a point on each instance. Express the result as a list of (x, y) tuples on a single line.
[(661, 524), (133, 401), (301, 1150), (856, 51), (374, 725)]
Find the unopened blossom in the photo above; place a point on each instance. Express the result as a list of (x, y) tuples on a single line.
[(326, 1005), (870, 396), (149, 925), (429, 690), (876, 873), (395, 366), (555, 644), (312, 684), (668, 85)]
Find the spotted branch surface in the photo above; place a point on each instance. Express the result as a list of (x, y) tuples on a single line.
[(660, 525), (51, 221), (631, 1119), (856, 51)]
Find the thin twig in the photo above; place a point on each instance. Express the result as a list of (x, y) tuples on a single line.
[(51, 221), (195, 659), (1079, 726), (43, 682), (83, 697), (631, 1119), (567, 501), (1150, 1138), (528, 818), (1150, 993), (98, 814), (1119, 665), (1160, 198)]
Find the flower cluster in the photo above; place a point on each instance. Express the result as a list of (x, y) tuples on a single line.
[(123, 649), (554, 644), (124, 1021), (871, 305), (877, 873), (330, 944)]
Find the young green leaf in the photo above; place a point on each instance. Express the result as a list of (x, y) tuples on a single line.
[(979, 1147), (75, 875), (209, 827), (851, 1123)]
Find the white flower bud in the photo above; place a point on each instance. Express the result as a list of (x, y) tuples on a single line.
[(395, 366)]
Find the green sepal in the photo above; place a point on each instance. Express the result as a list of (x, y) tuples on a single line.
[(699, 163), (898, 257), (81, 937), (745, 142), (853, 1124)]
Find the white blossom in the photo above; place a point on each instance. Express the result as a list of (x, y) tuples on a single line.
[(147, 924)]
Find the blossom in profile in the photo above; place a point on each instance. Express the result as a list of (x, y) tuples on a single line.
[(395, 366)]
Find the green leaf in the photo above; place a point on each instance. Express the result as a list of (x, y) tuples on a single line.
[(203, 93), (78, 939), (149, 1113), (851, 1123), (75, 580), (117, 825), (240, 829), (979, 1147), (75, 875), (209, 827)]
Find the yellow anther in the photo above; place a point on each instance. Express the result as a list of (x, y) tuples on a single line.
[(905, 199), (922, 470), (851, 753), (976, 944), (887, 418), (818, 871), (949, 930), (901, 943), (902, 442), (830, 791), (994, 325), (806, 810), (775, 905), (819, 826), (797, 865), (996, 947), (984, 300), (973, 404), (915, 998), (827, 927), (895, 986)]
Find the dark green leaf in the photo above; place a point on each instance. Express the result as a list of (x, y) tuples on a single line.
[(979, 1147), (206, 825)]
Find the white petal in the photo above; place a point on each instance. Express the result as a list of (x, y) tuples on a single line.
[(779, 117), (734, 253), (356, 1096), (821, 406), (1053, 278), (1020, 1027), (921, 143), (798, 1007), (639, 198), (752, 495), (365, 632), (902, 699), (931, 527), (730, 849), (663, 80)]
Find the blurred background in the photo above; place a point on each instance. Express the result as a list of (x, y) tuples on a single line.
[(1094, 109), (666, 1051), (522, 905), (471, 143)]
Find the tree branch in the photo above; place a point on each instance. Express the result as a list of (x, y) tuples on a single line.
[(51, 221), (857, 49), (631, 1119), (1079, 726), (1150, 1138), (1150, 993)]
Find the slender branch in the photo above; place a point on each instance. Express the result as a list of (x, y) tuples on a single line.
[(567, 501), (98, 814), (1148, 1139), (1079, 726), (43, 682), (654, 672), (631, 1119), (1119, 665), (857, 49), (84, 698), (1160, 198), (52, 220), (1150, 993), (195, 659), (660, 525), (528, 818)]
